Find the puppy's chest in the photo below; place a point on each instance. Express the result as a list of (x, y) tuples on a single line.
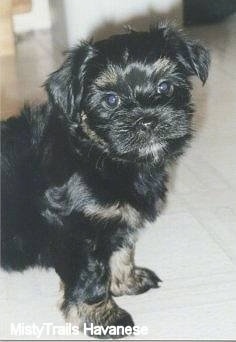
[(138, 205)]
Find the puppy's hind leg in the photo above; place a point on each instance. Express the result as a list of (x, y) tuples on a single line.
[(126, 278)]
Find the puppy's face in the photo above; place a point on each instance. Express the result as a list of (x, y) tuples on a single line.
[(133, 95), (138, 107)]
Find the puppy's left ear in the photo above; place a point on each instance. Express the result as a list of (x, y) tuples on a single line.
[(190, 54), (65, 86), (195, 58)]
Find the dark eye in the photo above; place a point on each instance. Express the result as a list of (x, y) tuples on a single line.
[(165, 88), (112, 100)]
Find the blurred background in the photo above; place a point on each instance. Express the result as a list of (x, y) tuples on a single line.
[(192, 245)]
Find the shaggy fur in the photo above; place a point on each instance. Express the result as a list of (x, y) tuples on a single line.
[(82, 173)]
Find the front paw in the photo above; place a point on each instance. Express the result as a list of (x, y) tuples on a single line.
[(112, 322), (139, 281), (144, 279), (101, 320)]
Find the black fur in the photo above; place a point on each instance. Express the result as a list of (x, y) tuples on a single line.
[(65, 162)]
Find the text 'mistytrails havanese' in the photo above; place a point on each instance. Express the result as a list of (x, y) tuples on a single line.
[(83, 172)]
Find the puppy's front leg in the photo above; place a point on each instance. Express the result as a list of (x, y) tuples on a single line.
[(87, 301), (128, 279)]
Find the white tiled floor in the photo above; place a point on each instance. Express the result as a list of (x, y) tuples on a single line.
[(192, 246)]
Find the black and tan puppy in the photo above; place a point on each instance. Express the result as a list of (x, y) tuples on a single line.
[(84, 172)]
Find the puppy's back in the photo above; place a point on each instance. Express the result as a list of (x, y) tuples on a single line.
[(17, 221)]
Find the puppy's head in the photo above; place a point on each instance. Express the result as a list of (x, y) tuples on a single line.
[(131, 93)]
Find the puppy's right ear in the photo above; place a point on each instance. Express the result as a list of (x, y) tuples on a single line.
[(65, 86)]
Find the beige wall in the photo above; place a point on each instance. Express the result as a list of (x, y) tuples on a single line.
[(85, 18), (37, 19)]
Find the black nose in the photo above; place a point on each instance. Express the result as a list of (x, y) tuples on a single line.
[(147, 123)]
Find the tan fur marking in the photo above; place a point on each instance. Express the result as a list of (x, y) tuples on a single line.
[(126, 278), (153, 149), (104, 313), (89, 132), (123, 212), (164, 65), (109, 76), (90, 207), (121, 266)]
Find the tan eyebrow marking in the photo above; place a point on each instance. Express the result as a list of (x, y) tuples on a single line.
[(164, 65), (109, 76)]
